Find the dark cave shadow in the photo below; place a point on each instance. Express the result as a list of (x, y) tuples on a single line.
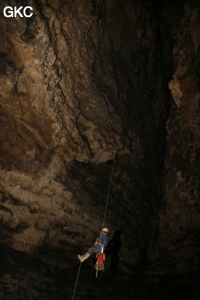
[(113, 250)]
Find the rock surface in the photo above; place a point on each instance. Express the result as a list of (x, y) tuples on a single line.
[(179, 212), (87, 86)]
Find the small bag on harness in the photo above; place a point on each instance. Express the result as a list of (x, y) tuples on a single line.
[(99, 266)]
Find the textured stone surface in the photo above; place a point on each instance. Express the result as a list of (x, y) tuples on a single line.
[(73, 98), (179, 216), (82, 83)]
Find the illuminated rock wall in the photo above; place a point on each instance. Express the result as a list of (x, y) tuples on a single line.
[(82, 83)]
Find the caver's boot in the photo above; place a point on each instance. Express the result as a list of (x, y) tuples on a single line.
[(83, 257)]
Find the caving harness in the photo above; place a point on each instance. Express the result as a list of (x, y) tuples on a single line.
[(101, 257)]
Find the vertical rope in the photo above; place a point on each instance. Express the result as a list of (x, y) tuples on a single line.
[(108, 192), (102, 223), (76, 281)]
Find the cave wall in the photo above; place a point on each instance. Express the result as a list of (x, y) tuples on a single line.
[(79, 89), (178, 229), (82, 83)]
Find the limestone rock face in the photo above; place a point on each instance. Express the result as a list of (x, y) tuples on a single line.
[(78, 90), (179, 215), (87, 88)]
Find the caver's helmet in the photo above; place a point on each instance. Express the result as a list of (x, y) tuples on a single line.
[(105, 230)]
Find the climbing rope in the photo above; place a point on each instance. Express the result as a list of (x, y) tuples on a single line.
[(105, 212), (111, 176), (76, 281)]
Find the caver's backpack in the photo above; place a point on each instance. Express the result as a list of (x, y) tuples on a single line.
[(99, 266)]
